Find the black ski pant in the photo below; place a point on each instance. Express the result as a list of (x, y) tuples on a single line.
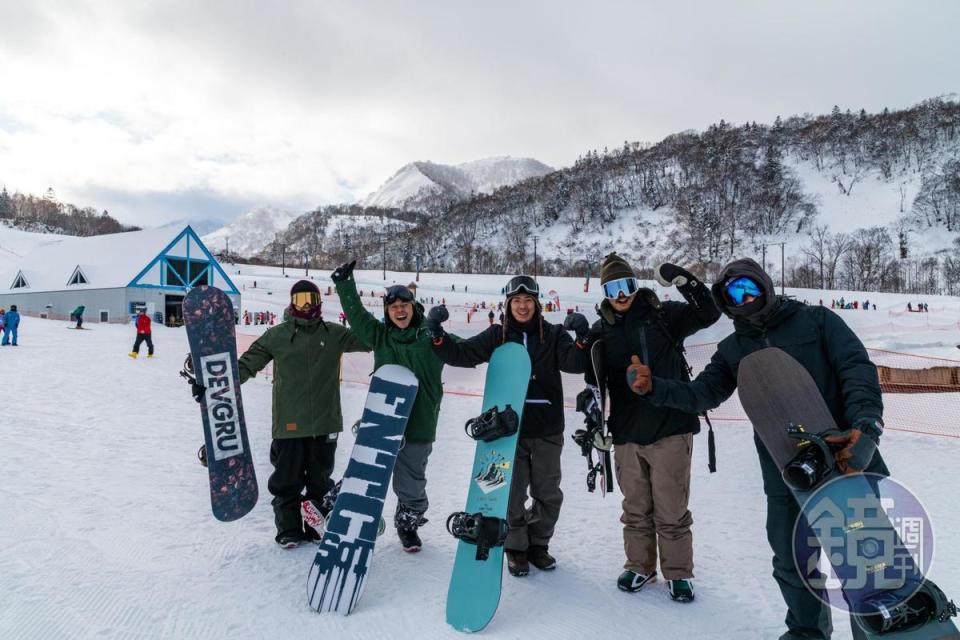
[(299, 464), (806, 613), (141, 338)]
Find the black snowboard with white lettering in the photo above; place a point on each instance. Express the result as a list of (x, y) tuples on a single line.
[(209, 319)]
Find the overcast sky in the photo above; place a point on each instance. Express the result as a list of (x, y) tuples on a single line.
[(203, 109)]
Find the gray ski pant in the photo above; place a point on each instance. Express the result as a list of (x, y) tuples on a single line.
[(410, 475), (536, 468)]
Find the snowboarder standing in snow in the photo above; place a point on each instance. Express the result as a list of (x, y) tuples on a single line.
[(537, 463), (652, 445), (77, 315), (11, 321), (144, 334), (402, 338), (837, 361), (306, 353)]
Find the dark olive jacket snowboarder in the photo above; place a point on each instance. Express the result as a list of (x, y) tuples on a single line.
[(306, 374), (815, 336), (551, 350), (408, 347), (649, 329)]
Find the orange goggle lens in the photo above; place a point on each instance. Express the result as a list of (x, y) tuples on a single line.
[(305, 299)]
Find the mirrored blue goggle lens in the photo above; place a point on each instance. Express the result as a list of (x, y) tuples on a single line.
[(625, 286), (740, 287)]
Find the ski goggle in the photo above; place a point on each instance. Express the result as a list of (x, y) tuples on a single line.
[(397, 292), (523, 284), (623, 286), (304, 299), (738, 288)]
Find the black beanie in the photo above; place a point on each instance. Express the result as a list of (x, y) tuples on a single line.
[(614, 268), (304, 286)]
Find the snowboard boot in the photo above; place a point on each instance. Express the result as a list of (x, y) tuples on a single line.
[(539, 557), (407, 521), (517, 563), (133, 354), (681, 590), (631, 581), (289, 540)]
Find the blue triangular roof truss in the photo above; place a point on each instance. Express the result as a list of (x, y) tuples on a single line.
[(193, 242)]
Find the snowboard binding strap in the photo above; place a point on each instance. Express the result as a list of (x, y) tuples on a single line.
[(813, 463), (475, 528), (890, 612), (493, 424)]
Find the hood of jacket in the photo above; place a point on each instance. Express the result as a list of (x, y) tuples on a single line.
[(756, 313)]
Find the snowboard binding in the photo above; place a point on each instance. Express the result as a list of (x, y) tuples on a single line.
[(889, 612), (202, 455), (493, 424), (592, 437), (815, 461), (478, 529)]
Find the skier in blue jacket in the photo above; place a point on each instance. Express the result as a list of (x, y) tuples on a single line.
[(11, 320)]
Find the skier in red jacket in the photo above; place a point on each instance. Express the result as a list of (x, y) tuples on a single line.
[(143, 335)]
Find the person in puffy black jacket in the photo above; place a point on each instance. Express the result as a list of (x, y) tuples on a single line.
[(537, 463), (837, 361), (652, 445)]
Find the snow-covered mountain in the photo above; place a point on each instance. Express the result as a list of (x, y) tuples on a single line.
[(416, 184), (250, 232)]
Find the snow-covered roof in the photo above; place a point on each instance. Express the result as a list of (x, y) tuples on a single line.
[(106, 262)]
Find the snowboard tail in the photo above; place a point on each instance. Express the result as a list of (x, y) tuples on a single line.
[(474, 591), (209, 319), (339, 570)]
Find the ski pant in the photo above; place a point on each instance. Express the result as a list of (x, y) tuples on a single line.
[(8, 333), (536, 468), (298, 464), (410, 476), (655, 481), (806, 613), (141, 338)]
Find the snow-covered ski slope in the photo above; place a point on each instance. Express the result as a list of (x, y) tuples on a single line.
[(106, 530)]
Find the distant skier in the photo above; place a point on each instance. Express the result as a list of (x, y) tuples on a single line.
[(78, 316), (144, 334), (652, 445), (11, 322), (837, 361), (306, 354), (537, 462), (402, 338)]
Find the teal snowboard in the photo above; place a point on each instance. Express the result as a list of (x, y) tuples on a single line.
[(474, 591)]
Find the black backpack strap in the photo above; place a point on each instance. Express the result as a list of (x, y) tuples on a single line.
[(682, 352)]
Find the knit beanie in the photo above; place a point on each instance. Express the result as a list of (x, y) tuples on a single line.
[(614, 268), (304, 286)]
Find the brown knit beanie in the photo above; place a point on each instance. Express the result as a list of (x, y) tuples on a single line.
[(614, 267)]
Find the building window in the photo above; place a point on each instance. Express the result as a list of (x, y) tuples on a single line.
[(77, 278), (20, 282), (182, 273)]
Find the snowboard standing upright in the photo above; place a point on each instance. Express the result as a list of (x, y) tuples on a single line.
[(339, 571), (474, 591), (844, 511), (605, 467), (209, 318)]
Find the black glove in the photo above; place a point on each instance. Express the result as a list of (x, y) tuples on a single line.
[(344, 272), (198, 391), (577, 323), (435, 317), (669, 274)]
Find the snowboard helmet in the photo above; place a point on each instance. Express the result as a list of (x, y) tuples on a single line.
[(305, 301)]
